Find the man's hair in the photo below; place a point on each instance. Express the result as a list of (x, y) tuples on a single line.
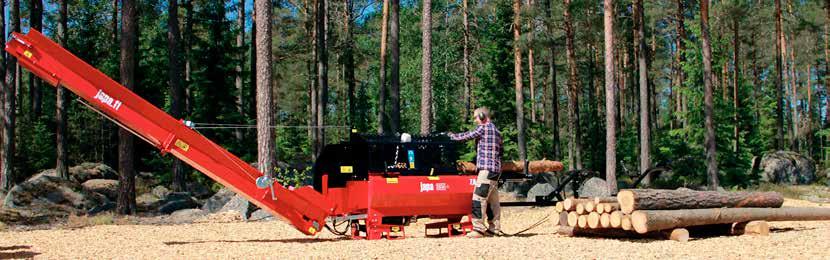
[(482, 113)]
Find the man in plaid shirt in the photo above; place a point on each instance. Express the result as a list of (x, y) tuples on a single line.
[(488, 163)]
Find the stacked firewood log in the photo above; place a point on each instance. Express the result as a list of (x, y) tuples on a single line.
[(677, 214)]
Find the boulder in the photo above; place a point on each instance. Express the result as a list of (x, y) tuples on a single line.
[(45, 196), (239, 204), (785, 167), (161, 192), (177, 201), (147, 201), (594, 187), (218, 200), (198, 190), (87, 171), (185, 216), (540, 189), (261, 214), (108, 188)]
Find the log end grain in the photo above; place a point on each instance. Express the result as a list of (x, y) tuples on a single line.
[(593, 220), (573, 218), (580, 208), (625, 223), (559, 206), (582, 221), (590, 206), (757, 228), (679, 235), (626, 200), (639, 221), (616, 219)]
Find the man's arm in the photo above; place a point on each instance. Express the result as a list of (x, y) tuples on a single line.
[(468, 135)]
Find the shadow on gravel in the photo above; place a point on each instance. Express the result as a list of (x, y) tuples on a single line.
[(782, 230), (290, 240), (7, 252)]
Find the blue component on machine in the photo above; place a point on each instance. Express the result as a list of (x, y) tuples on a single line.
[(411, 154)]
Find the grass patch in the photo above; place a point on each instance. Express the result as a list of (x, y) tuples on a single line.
[(107, 218)]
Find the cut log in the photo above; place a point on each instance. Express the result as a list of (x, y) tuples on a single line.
[(563, 219), (757, 228), (676, 235), (570, 203), (559, 206), (625, 223), (611, 207), (605, 220), (593, 220), (582, 221), (536, 167), (580, 209), (616, 219), (647, 199), (650, 220), (573, 218), (590, 206)]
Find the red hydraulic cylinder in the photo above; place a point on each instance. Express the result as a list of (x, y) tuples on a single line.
[(304, 208)]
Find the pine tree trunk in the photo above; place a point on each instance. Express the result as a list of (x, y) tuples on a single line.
[(394, 69), (680, 60), (382, 114), (35, 93), (266, 152), (426, 67), (827, 60), (736, 102), (610, 99), (129, 62), (322, 74), (240, 43), (113, 22), (188, 43), (779, 87), (174, 76), (794, 146), (530, 62), (517, 70), (348, 60), (468, 94), (7, 174), (61, 103), (645, 124), (575, 145), (708, 106), (554, 88)]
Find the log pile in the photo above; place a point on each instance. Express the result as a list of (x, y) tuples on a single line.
[(677, 214)]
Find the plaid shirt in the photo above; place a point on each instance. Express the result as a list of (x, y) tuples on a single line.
[(489, 147)]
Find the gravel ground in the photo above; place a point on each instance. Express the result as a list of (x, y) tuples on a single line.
[(794, 240)]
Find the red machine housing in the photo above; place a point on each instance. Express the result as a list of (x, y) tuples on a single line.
[(376, 203)]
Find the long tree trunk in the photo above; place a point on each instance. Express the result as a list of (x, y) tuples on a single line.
[(7, 65), (174, 73), (645, 124), (61, 103), (394, 68), (708, 103), (680, 60), (266, 150), (575, 145), (240, 56), (15, 26), (113, 22), (736, 62), (794, 145), (466, 60), (188, 43), (382, 83), (554, 88), (322, 74), (610, 99), (129, 62), (426, 67), (779, 87), (827, 60), (348, 60), (517, 70), (35, 93), (530, 62)]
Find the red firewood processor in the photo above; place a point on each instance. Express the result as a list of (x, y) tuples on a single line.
[(374, 184)]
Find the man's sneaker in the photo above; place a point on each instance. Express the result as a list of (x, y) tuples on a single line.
[(475, 234)]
